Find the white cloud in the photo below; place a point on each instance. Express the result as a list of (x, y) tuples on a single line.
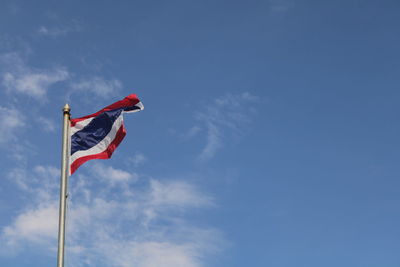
[(33, 84), (214, 141), (148, 228), (47, 173), (192, 132), (151, 254), (160, 253), (60, 30), (40, 180), (11, 121), (19, 177), (17, 77), (113, 175), (137, 159), (226, 116), (20, 78), (37, 223), (176, 193), (46, 124), (281, 5), (98, 86), (35, 226)]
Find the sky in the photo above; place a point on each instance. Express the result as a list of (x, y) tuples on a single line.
[(269, 138)]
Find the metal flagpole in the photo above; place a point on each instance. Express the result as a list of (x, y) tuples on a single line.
[(64, 185)]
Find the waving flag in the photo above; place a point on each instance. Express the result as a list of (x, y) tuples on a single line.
[(96, 136)]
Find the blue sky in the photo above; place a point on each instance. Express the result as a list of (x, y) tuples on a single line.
[(270, 134)]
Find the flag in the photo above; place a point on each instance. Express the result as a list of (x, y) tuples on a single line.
[(96, 136)]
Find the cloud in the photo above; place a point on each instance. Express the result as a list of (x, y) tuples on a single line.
[(18, 77), (161, 253), (112, 175), (47, 173), (106, 228), (214, 141), (11, 121), (281, 5), (46, 125), (37, 226), (151, 254), (138, 159), (176, 193), (40, 180), (227, 116), (56, 31), (192, 132), (98, 86), (19, 177)]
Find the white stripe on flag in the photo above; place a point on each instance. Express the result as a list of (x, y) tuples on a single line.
[(80, 125), (102, 145)]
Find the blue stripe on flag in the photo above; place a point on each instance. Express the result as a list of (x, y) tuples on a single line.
[(95, 131), (132, 108)]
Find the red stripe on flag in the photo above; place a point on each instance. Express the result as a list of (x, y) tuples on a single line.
[(128, 101), (106, 154)]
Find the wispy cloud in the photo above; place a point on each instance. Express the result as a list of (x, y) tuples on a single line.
[(137, 159), (18, 77), (106, 228), (60, 30), (98, 86), (176, 194), (40, 180), (226, 116), (281, 5), (47, 125), (192, 132), (112, 175), (13, 126), (11, 121), (37, 226)]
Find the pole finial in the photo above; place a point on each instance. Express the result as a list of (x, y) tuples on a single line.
[(66, 108)]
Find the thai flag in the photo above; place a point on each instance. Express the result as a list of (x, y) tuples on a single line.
[(96, 136)]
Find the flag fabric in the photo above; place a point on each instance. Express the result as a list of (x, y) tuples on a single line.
[(96, 136)]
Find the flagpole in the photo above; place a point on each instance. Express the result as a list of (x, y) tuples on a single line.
[(63, 186)]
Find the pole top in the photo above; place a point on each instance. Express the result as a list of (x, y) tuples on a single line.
[(66, 108)]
